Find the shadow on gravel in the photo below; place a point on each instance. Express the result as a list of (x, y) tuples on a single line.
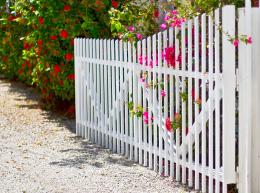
[(88, 153), (34, 102), (91, 154)]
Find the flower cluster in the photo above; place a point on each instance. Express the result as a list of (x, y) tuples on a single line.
[(175, 124), (172, 19)]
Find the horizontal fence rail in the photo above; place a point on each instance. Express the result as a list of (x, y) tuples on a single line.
[(167, 102)]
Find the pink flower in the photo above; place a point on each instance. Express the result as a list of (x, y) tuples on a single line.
[(249, 40), (145, 114), (174, 12), (140, 59), (139, 36), (236, 42), (163, 93), (166, 18), (142, 79), (169, 56), (131, 28), (163, 26), (168, 124), (146, 117)]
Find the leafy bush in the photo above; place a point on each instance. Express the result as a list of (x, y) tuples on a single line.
[(36, 44)]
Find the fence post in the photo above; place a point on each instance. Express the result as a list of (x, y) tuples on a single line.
[(249, 106), (229, 86)]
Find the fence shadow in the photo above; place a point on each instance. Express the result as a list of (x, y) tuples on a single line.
[(87, 153), (91, 154)]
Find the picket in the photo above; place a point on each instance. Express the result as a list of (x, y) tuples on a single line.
[(198, 90)]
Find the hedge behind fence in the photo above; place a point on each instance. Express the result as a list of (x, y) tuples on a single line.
[(36, 41)]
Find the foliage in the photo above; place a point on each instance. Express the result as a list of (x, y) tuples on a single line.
[(141, 18), (137, 17), (36, 44)]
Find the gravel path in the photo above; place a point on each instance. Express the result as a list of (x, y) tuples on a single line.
[(39, 153)]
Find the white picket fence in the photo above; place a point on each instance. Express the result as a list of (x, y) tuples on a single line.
[(201, 89)]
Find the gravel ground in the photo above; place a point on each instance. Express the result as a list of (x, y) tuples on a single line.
[(39, 153)]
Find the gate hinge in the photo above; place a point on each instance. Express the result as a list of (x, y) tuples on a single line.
[(237, 79)]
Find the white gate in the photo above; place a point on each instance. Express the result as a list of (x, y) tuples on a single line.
[(129, 96)]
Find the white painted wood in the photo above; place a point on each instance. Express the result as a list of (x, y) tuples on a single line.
[(122, 58), (183, 102), (98, 126), (127, 50), (155, 125), (150, 110), (102, 99), (108, 77), (144, 128), (255, 133), (190, 104), (229, 84), (110, 96), (217, 97), (130, 98), (210, 87), (177, 105), (171, 44), (249, 180), (90, 83), (87, 91), (203, 98), (165, 106), (139, 102), (196, 48), (159, 36), (135, 99), (117, 97), (106, 104), (76, 69)]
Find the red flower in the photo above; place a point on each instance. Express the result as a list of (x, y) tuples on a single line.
[(71, 76), (56, 69), (53, 37), (168, 124), (44, 91), (69, 57), (23, 65), (193, 94), (41, 20), (64, 34), (72, 42), (156, 13), (39, 43), (5, 58), (20, 71), (26, 46), (66, 8), (115, 4), (28, 64), (71, 109), (11, 18)]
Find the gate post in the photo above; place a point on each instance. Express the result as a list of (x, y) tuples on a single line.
[(249, 106), (229, 86)]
